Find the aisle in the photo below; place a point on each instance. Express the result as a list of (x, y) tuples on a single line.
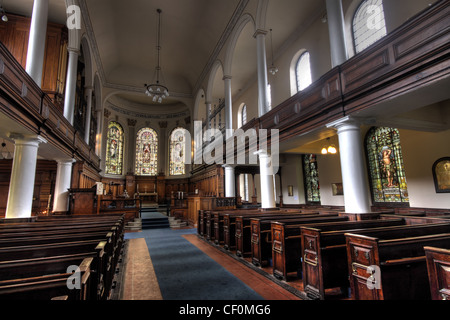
[(181, 270)]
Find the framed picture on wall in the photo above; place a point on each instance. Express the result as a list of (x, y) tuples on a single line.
[(441, 175), (290, 191), (338, 189)]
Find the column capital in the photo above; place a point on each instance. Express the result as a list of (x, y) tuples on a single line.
[(346, 123), (262, 154), (62, 161), (225, 77), (73, 50), (259, 32), (26, 139)]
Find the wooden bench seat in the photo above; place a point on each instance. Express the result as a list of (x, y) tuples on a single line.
[(323, 253), (50, 286), (261, 238), (243, 233), (394, 259), (438, 267), (287, 243), (30, 250)]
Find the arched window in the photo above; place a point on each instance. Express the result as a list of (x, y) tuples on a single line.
[(177, 152), (244, 115), (303, 72), (146, 152), (269, 97), (114, 149), (387, 173), (369, 24), (311, 178)]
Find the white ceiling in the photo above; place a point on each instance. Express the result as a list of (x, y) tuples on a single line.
[(125, 36)]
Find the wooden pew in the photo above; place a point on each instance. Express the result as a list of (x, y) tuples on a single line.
[(261, 238), (211, 218), (324, 260), (103, 243), (393, 261), (287, 243), (438, 267), (218, 220), (243, 229), (50, 286), (69, 228)]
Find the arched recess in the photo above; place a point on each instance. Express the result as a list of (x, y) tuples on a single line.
[(99, 112), (237, 31), (215, 76), (89, 67), (200, 106)]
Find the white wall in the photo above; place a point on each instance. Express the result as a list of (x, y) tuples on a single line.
[(329, 173), (420, 152)]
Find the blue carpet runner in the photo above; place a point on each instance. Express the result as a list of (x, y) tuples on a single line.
[(152, 218), (186, 273)]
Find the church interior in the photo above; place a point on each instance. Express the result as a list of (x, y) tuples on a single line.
[(296, 150)]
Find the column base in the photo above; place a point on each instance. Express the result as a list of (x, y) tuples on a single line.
[(59, 213), (360, 216), (269, 209)]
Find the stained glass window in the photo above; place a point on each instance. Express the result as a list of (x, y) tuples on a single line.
[(369, 24), (387, 173), (303, 72), (311, 176), (177, 152), (146, 152), (114, 149)]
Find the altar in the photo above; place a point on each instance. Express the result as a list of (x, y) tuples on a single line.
[(151, 197)]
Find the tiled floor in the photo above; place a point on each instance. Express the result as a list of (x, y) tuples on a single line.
[(140, 281)]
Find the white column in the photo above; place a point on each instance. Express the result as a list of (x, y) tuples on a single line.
[(337, 32), (230, 188), (228, 106), (354, 179), (263, 104), (87, 126), (208, 114), (71, 82), (36, 41), (21, 187), (62, 184), (267, 180)]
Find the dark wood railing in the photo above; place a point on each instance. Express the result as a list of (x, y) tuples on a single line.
[(411, 57), (25, 103)]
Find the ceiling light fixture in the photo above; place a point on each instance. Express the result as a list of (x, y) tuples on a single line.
[(157, 90), (273, 70), (3, 13), (5, 154), (329, 148)]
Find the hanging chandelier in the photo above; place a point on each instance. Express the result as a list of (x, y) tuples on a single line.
[(273, 70), (157, 91)]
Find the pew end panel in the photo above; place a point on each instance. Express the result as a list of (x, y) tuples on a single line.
[(362, 253), (397, 270), (438, 267)]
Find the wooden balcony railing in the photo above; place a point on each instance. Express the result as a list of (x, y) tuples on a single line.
[(409, 58), (25, 103)]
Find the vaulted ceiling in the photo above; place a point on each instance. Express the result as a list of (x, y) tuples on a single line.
[(123, 38)]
